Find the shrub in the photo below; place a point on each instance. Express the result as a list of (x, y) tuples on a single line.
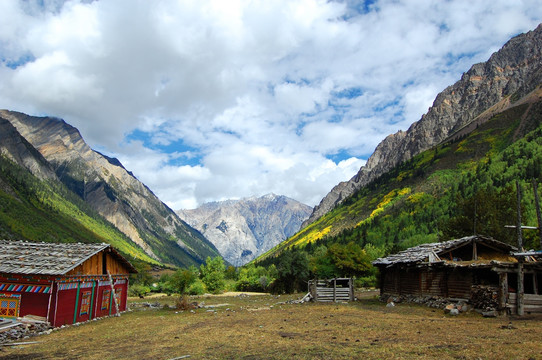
[(366, 282), (182, 303), (181, 280), (212, 274), (138, 290), (255, 278), (196, 288), (166, 287)]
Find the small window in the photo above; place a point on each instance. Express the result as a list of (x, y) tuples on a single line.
[(106, 298), (85, 303), (9, 305), (118, 295)]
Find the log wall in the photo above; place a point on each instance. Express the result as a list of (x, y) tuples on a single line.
[(532, 303)]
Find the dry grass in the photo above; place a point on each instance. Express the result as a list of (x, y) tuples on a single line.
[(261, 328)]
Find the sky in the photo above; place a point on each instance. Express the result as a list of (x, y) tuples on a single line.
[(208, 100)]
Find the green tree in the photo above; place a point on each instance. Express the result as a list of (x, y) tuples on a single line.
[(181, 280), (165, 284), (350, 259), (212, 274), (143, 276), (485, 213), (231, 273), (320, 263), (293, 272), (255, 278)]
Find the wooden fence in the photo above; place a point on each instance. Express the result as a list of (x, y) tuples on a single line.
[(332, 290)]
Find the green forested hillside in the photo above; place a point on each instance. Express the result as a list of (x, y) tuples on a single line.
[(462, 186), (36, 210)]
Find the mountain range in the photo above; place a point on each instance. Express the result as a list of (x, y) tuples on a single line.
[(479, 136), (88, 187), (243, 229), (451, 173), (486, 89)]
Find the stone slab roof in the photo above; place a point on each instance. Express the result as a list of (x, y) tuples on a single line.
[(23, 257), (430, 252)]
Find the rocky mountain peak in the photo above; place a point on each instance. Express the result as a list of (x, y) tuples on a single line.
[(243, 229)]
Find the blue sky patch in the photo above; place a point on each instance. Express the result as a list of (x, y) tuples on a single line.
[(339, 156), (14, 64), (349, 93), (182, 154), (452, 59), (384, 106)]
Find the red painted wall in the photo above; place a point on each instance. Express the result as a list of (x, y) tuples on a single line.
[(103, 301), (31, 304), (63, 302), (34, 304), (64, 307), (124, 296)]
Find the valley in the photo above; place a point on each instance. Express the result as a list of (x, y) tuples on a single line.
[(412, 129)]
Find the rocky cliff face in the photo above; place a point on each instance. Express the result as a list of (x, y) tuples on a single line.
[(17, 149), (242, 230), (509, 74), (108, 187)]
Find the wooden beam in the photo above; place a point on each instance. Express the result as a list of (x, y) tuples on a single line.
[(537, 206), (518, 224), (76, 301), (520, 290), (522, 226), (503, 290)]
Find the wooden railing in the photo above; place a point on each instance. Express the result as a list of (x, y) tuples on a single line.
[(332, 290)]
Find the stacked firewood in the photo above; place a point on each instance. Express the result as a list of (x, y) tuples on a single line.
[(485, 297)]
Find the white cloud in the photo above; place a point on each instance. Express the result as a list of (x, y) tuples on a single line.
[(263, 93)]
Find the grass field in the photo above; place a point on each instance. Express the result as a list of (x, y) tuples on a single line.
[(265, 327)]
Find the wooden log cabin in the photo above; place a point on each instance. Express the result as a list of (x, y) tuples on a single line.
[(455, 269), (62, 283)]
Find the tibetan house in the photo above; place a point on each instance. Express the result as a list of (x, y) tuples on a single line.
[(457, 269), (62, 283)]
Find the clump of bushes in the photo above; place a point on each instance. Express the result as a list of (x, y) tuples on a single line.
[(138, 290)]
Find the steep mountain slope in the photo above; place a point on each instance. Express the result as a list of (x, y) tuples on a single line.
[(40, 208), (113, 192), (462, 186), (453, 172), (243, 229), (17, 149), (485, 89)]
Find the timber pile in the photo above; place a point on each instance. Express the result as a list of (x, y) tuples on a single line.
[(431, 301), (485, 297)]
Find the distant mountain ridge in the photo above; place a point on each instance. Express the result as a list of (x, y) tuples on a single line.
[(509, 74), (52, 149), (243, 229)]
